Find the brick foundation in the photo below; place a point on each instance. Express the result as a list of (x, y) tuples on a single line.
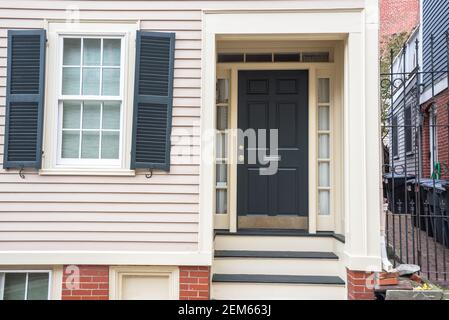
[(360, 285), (194, 283), (85, 282), (88, 282)]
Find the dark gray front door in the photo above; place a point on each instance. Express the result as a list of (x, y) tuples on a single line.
[(275, 100)]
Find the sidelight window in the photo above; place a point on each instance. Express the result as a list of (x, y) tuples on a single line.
[(324, 146)]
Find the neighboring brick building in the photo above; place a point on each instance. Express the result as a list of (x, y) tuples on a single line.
[(440, 105), (397, 16)]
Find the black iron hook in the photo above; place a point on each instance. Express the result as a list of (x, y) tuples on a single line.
[(21, 175), (148, 176)]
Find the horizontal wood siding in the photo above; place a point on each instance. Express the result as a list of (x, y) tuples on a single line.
[(114, 213), (435, 22), (111, 213)]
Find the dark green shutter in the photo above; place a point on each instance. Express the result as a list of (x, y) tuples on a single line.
[(24, 99), (153, 98)]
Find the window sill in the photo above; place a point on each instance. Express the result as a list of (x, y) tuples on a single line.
[(87, 172)]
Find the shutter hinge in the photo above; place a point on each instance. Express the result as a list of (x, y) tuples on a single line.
[(21, 175), (149, 175)]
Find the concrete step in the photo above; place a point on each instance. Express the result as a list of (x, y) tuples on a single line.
[(263, 286), (275, 262), (282, 241)]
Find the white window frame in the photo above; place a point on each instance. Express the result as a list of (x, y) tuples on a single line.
[(105, 163), (27, 272), (116, 28)]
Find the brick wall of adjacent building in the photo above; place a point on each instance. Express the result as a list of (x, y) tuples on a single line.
[(360, 285), (85, 282), (440, 104), (397, 16), (194, 283)]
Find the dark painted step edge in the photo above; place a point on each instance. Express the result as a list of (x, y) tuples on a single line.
[(281, 279), (281, 233), (275, 254)]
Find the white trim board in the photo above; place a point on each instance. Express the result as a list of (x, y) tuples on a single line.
[(105, 258)]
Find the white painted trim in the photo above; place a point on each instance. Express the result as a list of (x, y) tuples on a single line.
[(67, 171), (105, 258), (55, 30), (56, 283), (116, 277), (439, 87), (362, 262)]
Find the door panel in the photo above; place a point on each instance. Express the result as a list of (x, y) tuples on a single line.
[(274, 100)]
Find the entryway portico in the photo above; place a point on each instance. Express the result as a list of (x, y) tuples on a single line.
[(294, 89), (342, 120)]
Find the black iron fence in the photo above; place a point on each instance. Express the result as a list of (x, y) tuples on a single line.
[(415, 112)]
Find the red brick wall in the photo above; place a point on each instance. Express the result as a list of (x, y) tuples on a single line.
[(360, 285), (397, 16), (85, 282), (440, 103), (194, 283)]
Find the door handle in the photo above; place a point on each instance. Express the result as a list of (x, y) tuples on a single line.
[(271, 158)]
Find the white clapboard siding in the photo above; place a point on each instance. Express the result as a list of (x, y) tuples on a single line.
[(46, 212), (120, 246)]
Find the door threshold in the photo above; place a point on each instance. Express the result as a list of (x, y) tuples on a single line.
[(280, 232), (273, 222)]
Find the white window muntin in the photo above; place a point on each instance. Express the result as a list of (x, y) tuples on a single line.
[(89, 162), (27, 272)]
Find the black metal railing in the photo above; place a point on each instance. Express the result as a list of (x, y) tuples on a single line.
[(416, 161)]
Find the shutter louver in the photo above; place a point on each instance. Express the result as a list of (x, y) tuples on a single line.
[(24, 99), (153, 100)]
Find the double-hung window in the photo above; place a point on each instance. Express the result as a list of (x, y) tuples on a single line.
[(24, 285), (90, 101)]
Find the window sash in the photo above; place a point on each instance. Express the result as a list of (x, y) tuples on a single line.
[(394, 134), (27, 272), (92, 163), (408, 129), (88, 161)]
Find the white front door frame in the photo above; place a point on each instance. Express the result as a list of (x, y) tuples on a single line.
[(362, 191), (316, 222)]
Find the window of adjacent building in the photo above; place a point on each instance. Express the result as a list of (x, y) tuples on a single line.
[(18, 285), (408, 130), (394, 136), (90, 104), (433, 140)]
